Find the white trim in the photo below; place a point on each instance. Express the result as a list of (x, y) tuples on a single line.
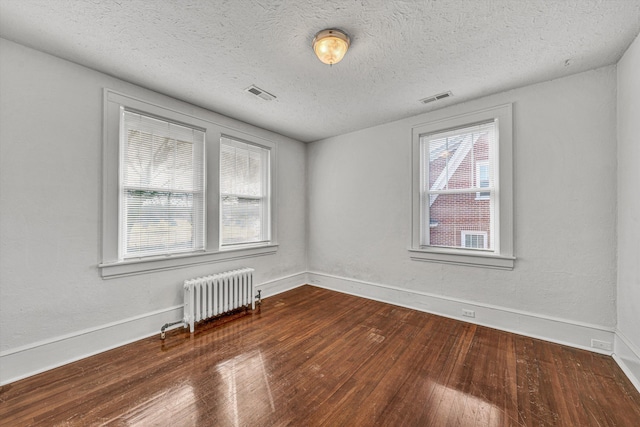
[(561, 331), (627, 356), (472, 257), (132, 267), (25, 361)]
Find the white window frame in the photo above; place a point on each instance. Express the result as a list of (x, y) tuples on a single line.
[(111, 265), (465, 233), (503, 256)]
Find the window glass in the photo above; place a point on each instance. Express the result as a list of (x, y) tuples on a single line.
[(455, 164), (244, 193)]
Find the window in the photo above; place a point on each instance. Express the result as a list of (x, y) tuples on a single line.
[(449, 161), (161, 187), (474, 239), (453, 221), (167, 202), (244, 193)]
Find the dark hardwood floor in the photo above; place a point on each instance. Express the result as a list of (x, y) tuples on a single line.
[(315, 357)]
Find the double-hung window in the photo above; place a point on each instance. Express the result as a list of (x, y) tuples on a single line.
[(182, 187), (162, 183), (462, 190)]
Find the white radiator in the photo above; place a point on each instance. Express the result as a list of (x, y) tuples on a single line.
[(217, 294)]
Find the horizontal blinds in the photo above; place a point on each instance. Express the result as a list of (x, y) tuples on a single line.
[(162, 187), (244, 193)]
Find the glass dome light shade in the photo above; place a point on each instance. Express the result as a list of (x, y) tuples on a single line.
[(330, 46)]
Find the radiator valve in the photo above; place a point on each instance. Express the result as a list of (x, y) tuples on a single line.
[(258, 297)]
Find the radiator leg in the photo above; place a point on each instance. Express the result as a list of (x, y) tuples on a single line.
[(259, 297), (167, 325)]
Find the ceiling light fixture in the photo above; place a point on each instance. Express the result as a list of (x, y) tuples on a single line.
[(330, 46)]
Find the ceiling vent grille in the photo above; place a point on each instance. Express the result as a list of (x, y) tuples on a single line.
[(437, 97), (260, 93)]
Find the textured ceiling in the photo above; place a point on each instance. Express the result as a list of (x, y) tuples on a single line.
[(207, 52)]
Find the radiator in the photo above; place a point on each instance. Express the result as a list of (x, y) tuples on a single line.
[(213, 295)]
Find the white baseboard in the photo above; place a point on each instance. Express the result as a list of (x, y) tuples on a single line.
[(283, 284), (25, 361), (560, 331), (627, 356)]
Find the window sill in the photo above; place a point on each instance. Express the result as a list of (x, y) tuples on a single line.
[(245, 246), (152, 264), (462, 257)]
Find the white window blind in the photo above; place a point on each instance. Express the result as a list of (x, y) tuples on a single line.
[(455, 165), (162, 180), (244, 193)]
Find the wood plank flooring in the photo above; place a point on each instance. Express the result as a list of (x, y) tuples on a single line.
[(312, 357)]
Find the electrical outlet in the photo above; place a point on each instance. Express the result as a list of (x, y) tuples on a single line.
[(468, 313), (602, 345)]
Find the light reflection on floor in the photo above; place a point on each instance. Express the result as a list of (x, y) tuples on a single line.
[(247, 386), (476, 411), (164, 406)]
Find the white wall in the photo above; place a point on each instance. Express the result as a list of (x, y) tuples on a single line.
[(628, 334), (54, 305), (563, 284)]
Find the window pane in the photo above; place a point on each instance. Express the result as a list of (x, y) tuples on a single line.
[(454, 158), (241, 220), (451, 214), (241, 171), (158, 222), (446, 158)]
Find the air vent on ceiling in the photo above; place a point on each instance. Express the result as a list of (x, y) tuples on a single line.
[(263, 94), (437, 97)]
